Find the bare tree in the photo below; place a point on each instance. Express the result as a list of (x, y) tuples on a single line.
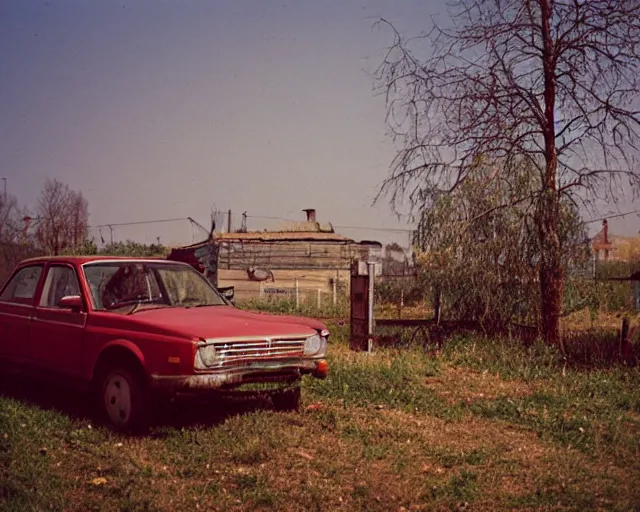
[(62, 218), (554, 82), (79, 216), (8, 211), (15, 243)]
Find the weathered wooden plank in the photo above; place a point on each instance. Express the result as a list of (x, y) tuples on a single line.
[(282, 255), (312, 279)]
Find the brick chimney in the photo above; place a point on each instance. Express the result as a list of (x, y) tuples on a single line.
[(311, 214)]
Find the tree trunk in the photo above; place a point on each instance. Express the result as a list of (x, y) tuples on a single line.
[(551, 278), (551, 272)]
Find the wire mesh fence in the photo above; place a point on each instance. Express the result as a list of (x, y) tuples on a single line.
[(291, 299)]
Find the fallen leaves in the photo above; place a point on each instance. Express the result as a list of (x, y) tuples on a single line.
[(305, 455)]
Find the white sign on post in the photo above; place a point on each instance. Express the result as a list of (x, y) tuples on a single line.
[(363, 269)]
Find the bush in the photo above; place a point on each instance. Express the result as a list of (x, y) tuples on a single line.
[(127, 248), (13, 253), (391, 290)]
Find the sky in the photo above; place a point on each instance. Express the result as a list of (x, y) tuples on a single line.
[(168, 109)]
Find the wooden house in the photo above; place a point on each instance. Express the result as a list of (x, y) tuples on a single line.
[(307, 256)]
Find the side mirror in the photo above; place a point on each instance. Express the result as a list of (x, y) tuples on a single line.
[(228, 293), (73, 302)]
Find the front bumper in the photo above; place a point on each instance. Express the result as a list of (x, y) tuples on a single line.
[(259, 371)]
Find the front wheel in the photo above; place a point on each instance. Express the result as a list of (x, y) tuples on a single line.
[(123, 399)]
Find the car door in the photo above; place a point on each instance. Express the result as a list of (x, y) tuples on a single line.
[(57, 333), (16, 311)]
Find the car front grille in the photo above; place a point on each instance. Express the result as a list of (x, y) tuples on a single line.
[(238, 353)]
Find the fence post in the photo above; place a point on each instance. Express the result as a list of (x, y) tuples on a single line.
[(261, 289), (437, 305), (297, 295), (624, 336), (335, 292), (319, 298), (371, 266)]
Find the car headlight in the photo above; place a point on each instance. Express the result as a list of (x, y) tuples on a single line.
[(208, 355), (314, 344)]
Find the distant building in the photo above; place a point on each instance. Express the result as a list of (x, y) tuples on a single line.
[(607, 247)]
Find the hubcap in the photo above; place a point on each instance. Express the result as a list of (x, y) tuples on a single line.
[(117, 399)]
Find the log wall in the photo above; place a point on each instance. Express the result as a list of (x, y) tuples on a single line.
[(287, 255)]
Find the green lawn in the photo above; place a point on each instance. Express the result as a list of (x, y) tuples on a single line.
[(485, 426)]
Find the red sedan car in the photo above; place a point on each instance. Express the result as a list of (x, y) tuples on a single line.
[(133, 329)]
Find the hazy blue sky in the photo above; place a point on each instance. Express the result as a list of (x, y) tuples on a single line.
[(160, 109)]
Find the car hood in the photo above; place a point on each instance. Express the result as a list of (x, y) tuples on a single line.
[(225, 322)]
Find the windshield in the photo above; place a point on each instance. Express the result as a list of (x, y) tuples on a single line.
[(142, 285)]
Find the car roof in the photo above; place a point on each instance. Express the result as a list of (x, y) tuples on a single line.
[(81, 260)]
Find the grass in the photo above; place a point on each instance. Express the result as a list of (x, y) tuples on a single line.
[(485, 426)]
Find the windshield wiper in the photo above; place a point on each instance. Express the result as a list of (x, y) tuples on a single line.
[(138, 304), (201, 305), (134, 308)]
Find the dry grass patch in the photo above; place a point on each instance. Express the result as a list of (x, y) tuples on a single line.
[(459, 384), (328, 458), (586, 319)]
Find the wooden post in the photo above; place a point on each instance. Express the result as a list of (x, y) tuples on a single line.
[(297, 295), (319, 298), (437, 306), (335, 290), (371, 271), (624, 336)]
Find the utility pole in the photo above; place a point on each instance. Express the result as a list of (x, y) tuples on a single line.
[(229, 222), (5, 189)]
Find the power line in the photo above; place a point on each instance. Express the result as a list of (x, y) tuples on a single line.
[(267, 217), (271, 217), (139, 222), (612, 216), (363, 228)]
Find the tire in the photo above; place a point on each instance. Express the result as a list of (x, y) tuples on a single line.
[(287, 399), (123, 398)]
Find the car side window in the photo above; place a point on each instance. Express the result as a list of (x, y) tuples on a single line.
[(60, 282), (23, 285)]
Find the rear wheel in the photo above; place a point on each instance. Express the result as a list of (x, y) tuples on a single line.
[(287, 399), (123, 398)]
